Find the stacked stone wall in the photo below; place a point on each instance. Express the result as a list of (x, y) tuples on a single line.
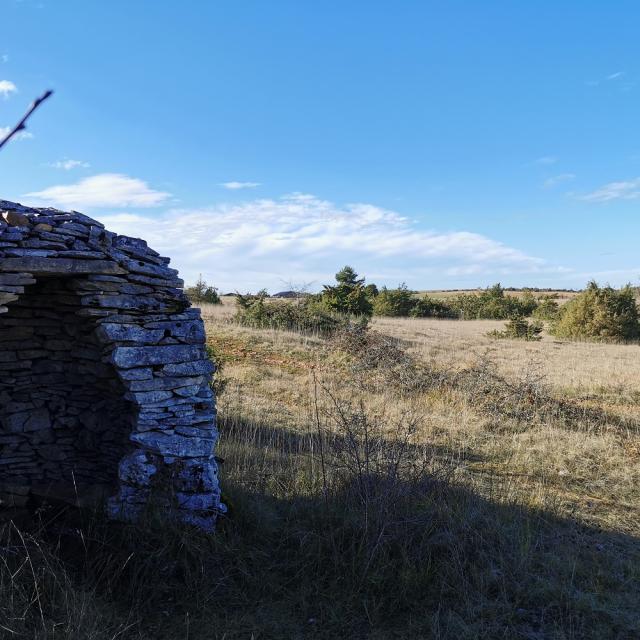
[(65, 418), (106, 378)]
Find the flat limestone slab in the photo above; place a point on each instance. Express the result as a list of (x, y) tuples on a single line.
[(60, 266)]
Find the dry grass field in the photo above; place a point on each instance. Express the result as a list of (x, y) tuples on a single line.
[(415, 480), (542, 438), (571, 367), (593, 466)]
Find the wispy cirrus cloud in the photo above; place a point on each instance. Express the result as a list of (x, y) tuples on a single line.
[(235, 185), (7, 88), (103, 190), (4, 58), (612, 77), (554, 181), (67, 164), (266, 241), (624, 190)]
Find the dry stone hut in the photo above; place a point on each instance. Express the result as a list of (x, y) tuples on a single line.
[(104, 374)]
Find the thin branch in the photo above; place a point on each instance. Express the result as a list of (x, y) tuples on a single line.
[(22, 125), (325, 486)]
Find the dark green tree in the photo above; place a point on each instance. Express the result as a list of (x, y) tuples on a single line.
[(202, 292), (348, 295), (371, 291), (427, 307), (492, 303), (394, 302), (600, 313), (548, 307), (520, 328)]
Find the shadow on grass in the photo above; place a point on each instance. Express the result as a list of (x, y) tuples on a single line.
[(263, 438), (364, 556)]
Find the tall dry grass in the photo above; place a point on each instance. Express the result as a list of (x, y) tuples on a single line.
[(524, 430), (417, 481)]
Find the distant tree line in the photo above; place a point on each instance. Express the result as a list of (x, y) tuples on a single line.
[(351, 295), (601, 313)]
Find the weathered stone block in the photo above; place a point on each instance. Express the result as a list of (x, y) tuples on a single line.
[(15, 219), (112, 332), (171, 444), (137, 469), (59, 266), (39, 419), (128, 357)]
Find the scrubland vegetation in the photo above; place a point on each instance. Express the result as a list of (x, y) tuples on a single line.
[(597, 313), (404, 478), (201, 292), (601, 313)]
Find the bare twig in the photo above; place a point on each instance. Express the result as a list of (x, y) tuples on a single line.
[(325, 487), (22, 125)]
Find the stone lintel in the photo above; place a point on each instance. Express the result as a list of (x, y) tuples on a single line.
[(59, 266)]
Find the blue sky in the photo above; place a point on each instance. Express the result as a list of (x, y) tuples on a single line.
[(445, 144)]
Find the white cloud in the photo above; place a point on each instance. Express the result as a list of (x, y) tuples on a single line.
[(613, 76), (559, 179), (234, 185), (21, 135), (103, 190), (628, 190), (4, 58), (546, 160), (67, 165), (264, 242), (7, 88)]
